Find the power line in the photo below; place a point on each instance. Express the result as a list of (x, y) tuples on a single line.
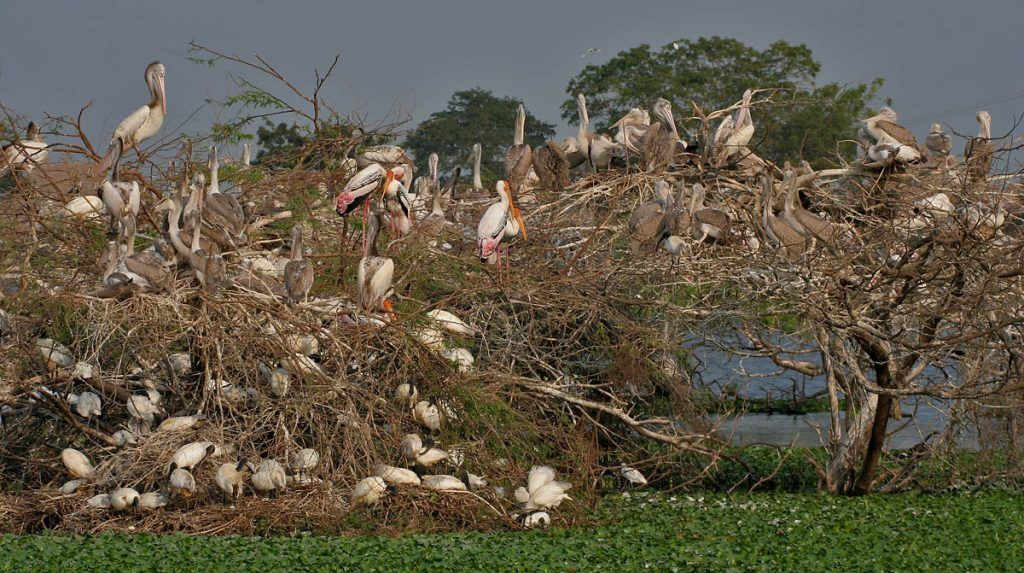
[(962, 109)]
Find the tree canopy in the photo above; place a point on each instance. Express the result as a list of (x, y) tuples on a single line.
[(804, 121), (473, 116)]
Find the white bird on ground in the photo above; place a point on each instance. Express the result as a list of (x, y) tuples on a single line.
[(397, 476), (420, 452), (405, 395), (426, 414), (231, 476), (369, 491), (268, 476), (88, 405), (154, 500), (123, 498), (179, 423), (181, 481), (77, 464), (452, 323), (542, 491), (633, 475), (189, 455)]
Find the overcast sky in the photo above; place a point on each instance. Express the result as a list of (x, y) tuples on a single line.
[(941, 60)]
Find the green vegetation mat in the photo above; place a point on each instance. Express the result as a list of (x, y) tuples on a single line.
[(686, 532)]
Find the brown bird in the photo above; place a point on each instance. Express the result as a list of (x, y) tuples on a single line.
[(790, 244), (646, 227), (519, 158), (551, 165), (435, 221), (979, 151), (298, 273), (882, 127), (938, 143), (810, 226), (677, 221), (708, 223), (659, 143)]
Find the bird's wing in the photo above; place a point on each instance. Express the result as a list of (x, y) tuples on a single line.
[(539, 475), (131, 124), (901, 134)]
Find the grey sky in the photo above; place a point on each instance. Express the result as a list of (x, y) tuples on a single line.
[(941, 60)]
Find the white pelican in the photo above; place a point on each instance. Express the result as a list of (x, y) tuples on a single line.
[(123, 498), (496, 225), (882, 127), (597, 148), (979, 151), (732, 137), (397, 476), (369, 491), (77, 464), (24, 155), (142, 124), (230, 478), (298, 273), (89, 207), (375, 273), (71, 486), (551, 165), (181, 481), (519, 158), (208, 265)]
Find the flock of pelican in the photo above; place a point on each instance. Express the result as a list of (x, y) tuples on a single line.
[(204, 227)]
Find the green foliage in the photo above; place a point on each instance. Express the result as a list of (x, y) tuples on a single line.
[(634, 532), (473, 116), (282, 140), (805, 122)]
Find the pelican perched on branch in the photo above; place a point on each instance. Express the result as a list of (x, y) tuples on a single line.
[(810, 226), (631, 129), (476, 155), (144, 122), (597, 148), (939, 144), (120, 198), (659, 143), (375, 272), (882, 127), (708, 223), (500, 223), (435, 221), (223, 210), (979, 150), (646, 222), (24, 155), (519, 157), (790, 244), (732, 136)]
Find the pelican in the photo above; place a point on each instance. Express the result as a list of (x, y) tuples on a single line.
[(435, 222), (477, 154), (120, 198), (979, 151), (24, 155), (208, 266), (189, 455), (551, 165), (181, 481), (938, 143), (405, 395), (246, 154), (659, 142), (812, 227), (708, 223), (397, 476), (519, 157), (268, 476), (77, 464), (222, 210), (633, 475), (882, 127), (452, 323), (677, 221), (375, 273), (731, 139), (298, 273), (421, 452), (142, 124), (646, 222), (88, 405), (790, 243), (426, 414), (230, 478), (496, 225), (632, 128), (369, 491), (146, 270), (596, 148), (123, 498), (396, 202)]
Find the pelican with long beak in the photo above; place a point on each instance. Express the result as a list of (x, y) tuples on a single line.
[(144, 122), (519, 158), (375, 272), (24, 155), (733, 136), (660, 141), (120, 198), (501, 221)]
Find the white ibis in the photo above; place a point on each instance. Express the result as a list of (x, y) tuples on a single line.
[(144, 122), (443, 483), (77, 464), (369, 491), (123, 498), (422, 452), (298, 273), (542, 491), (181, 481), (189, 455), (397, 476), (231, 476), (269, 476), (501, 221), (375, 273), (24, 155)]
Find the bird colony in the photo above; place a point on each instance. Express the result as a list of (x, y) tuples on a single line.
[(225, 352)]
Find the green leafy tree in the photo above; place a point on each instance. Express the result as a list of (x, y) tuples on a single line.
[(473, 116), (805, 120)]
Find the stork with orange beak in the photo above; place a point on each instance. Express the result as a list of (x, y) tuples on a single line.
[(396, 202), (500, 223), (359, 188), (144, 122)]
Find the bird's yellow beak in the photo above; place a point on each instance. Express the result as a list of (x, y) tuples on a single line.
[(517, 215)]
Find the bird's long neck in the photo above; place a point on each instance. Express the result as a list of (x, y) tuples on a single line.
[(436, 208), (246, 151), (520, 126), (197, 227), (173, 224), (297, 245), (697, 202), (371, 239), (790, 204), (477, 152), (118, 150), (214, 168), (581, 104), (985, 129), (744, 116)]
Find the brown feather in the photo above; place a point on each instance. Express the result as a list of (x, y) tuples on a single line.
[(551, 165), (518, 162), (901, 134)]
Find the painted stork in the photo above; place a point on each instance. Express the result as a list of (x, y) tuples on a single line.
[(501, 221)]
